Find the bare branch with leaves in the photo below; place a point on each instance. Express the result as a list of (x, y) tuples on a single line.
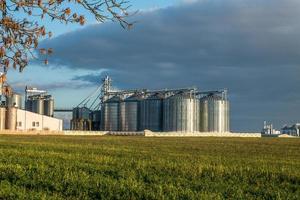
[(19, 38)]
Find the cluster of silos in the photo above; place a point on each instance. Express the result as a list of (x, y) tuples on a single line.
[(14, 100), (81, 119), (118, 114), (43, 105), (178, 112)]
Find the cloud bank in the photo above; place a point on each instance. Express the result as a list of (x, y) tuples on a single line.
[(251, 47)]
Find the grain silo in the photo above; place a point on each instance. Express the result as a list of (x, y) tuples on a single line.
[(14, 100), (181, 113), (214, 115), (81, 119), (11, 118), (2, 117), (38, 106), (110, 114), (129, 113), (151, 112), (49, 106), (96, 120)]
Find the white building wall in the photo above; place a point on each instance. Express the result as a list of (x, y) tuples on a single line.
[(32, 121)]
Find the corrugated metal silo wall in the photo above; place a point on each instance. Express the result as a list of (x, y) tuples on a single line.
[(214, 115), (38, 106), (49, 107), (15, 100), (129, 115), (151, 114), (181, 114), (110, 116)]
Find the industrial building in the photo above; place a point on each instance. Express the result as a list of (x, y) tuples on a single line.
[(38, 113), (293, 130), (167, 110)]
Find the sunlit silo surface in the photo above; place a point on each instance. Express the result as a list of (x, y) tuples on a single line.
[(38, 106), (11, 118), (14, 100), (2, 117), (49, 107), (110, 114), (129, 113), (151, 113), (214, 115), (181, 113)]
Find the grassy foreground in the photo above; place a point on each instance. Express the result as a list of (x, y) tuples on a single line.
[(64, 167)]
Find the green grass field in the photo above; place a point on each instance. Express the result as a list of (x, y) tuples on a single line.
[(63, 167)]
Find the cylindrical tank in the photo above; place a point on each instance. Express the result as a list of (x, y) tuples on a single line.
[(181, 113), (2, 117), (214, 114), (129, 113), (11, 118), (28, 105), (110, 114), (96, 116), (75, 113), (38, 106), (96, 119), (151, 113), (49, 107), (81, 113), (14, 100)]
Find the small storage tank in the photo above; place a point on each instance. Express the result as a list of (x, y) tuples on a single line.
[(129, 113), (49, 107), (2, 117), (151, 113), (110, 114), (214, 114), (81, 113), (81, 124), (14, 100), (11, 118), (181, 113), (38, 106)]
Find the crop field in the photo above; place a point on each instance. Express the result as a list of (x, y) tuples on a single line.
[(68, 167)]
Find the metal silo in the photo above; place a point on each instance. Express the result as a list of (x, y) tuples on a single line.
[(49, 107), (96, 120), (129, 113), (110, 114), (2, 117), (28, 104), (181, 113), (11, 118), (151, 113), (38, 106), (14, 100), (214, 114)]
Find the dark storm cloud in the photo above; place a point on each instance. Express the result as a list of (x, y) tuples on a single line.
[(251, 47)]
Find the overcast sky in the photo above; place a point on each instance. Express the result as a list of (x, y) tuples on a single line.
[(251, 47)]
